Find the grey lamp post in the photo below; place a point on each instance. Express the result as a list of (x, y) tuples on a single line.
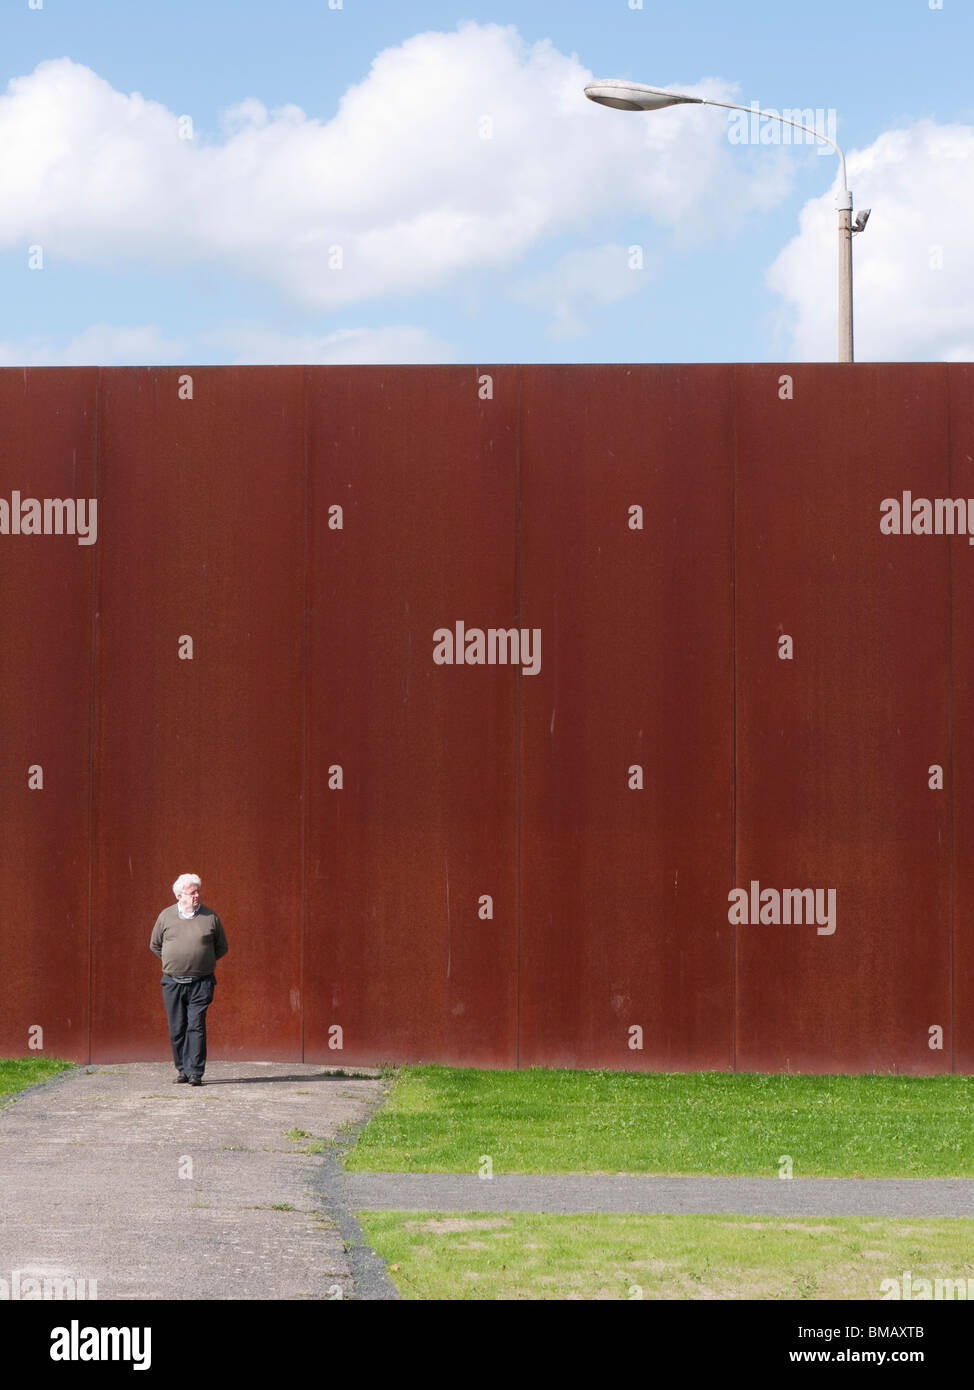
[(634, 96)]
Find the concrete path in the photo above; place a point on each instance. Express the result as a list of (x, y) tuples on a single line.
[(577, 1193), (113, 1174)]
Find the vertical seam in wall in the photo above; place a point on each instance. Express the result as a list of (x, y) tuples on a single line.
[(950, 737), (92, 689), (518, 716), (733, 747), (305, 697)]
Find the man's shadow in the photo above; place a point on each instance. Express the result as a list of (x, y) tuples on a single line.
[(268, 1080)]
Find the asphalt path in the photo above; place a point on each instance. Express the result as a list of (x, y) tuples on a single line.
[(577, 1193), (142, 1189)]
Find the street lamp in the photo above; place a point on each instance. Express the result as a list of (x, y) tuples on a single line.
[(635, 96)]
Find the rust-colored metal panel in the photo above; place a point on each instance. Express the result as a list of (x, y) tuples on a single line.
[(399, 858), (364, 906), (960, 774), (834, 745), (621, 887), (198, 762), (47, 453)]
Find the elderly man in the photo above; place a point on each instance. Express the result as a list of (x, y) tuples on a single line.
[(190, 940)]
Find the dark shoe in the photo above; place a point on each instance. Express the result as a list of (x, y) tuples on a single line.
[(196, 1080), (179, 1079)]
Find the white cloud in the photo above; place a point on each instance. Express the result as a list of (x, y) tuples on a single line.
[(346, 346), (457, 151), (581, 280), (101, 344), (108, 345), (913, 266)]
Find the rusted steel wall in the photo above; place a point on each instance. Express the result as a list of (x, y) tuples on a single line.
[(198, 760), (834, 742), (626, 733), (47, 450), (524, 861), (961, 748), (398, 952)]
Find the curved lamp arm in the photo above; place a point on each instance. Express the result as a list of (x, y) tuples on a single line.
[(774, 116)]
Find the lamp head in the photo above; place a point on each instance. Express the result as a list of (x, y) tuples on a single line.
[(634, 96)]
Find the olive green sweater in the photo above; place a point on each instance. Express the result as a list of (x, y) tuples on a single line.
[(188, 945)]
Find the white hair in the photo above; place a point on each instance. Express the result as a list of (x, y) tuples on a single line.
[(184, 880)]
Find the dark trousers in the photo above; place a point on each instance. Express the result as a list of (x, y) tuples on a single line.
[(186, 1007)]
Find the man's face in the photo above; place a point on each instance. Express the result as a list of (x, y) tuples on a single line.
[(189, 898)]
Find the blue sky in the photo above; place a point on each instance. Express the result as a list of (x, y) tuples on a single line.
[(470, 242)]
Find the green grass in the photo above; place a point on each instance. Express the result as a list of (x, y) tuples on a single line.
[(18, 1072), (440, 1119), (522, 1255), (316, 1146)]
